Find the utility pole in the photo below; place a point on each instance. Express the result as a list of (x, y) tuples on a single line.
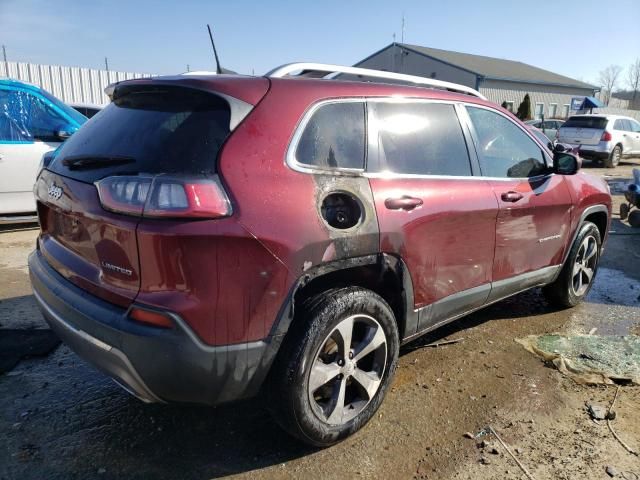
[(188, 70), (393, 53), (4, 56), (106, 64), (402, 37)]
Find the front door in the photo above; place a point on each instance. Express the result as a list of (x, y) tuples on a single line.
[(432, 211), (27, 131), (533, 223)]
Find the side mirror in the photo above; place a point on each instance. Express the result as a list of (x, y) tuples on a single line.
[(63, 134), (558, 148), (565, 163)]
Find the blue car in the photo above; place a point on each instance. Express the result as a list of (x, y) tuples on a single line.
[(32, 122)]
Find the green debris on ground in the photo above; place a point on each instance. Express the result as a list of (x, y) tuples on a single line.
[(590, 359)]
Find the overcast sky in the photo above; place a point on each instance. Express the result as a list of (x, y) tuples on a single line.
[(577, 38)]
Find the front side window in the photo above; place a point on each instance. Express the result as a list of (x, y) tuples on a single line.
[(635, 126), (12, 128), (334, 137), (504, 150), (10, 131), (421, 138), (25, 117)]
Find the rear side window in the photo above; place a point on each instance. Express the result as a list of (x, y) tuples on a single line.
[(503, 148), (420, 138), (148, 129), (334, 137), (622, 124), (586, 122)]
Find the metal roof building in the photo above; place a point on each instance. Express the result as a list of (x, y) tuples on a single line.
[(500, 80)]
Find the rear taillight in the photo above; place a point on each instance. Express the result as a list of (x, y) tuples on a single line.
[(606, 136), (164, 196)]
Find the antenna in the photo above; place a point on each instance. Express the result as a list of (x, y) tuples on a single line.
[(215, 52)]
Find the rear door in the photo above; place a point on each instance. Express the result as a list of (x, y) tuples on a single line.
[(635, 134), (146, 131), (535, 206), (582, 130), (432, 211), (624, 135)]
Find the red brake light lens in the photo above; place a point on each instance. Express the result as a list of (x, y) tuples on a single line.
[(606, 136), (164, 196), (202, 198)]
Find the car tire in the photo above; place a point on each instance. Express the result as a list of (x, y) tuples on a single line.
[(624, 211), (634, 218), (579, 271), (314, 390), (614, 157)]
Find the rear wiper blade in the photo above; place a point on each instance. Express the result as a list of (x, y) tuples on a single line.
[(89, 162)]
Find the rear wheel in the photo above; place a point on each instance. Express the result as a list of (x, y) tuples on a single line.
[(614, 158), (577, 275), (335, 366), (634, 218)]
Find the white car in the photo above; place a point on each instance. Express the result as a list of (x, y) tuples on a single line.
[(32, 123), (602, 137)]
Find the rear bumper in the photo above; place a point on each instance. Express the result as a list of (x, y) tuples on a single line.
[(156, 365), (599, 152)]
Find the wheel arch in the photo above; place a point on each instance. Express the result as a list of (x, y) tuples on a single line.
[(596, 214), (384, 274)]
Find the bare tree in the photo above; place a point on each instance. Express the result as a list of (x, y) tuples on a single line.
[(633, 79), (608, 80)]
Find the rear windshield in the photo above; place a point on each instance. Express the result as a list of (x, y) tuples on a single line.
[(148, 129), (586, 122)]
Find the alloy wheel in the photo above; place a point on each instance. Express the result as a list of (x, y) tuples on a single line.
[(585, 266), (347, 369)]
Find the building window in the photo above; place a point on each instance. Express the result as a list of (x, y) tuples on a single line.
[(565, 110), (539, 110), (553, 110)]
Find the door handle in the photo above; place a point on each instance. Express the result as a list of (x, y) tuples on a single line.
[(403, 203), (511, 196)]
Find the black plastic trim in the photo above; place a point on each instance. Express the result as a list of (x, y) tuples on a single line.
[(156, 364)]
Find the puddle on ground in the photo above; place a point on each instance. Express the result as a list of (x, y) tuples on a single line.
[(612, 306)]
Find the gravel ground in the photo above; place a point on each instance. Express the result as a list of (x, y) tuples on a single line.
[(61, 419)]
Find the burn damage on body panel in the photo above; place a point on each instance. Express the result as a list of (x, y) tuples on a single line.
[(346, 209)]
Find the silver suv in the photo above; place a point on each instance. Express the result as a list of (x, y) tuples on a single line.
[(605, 138)]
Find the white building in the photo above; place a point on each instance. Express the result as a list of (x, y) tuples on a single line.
[(498, 79)]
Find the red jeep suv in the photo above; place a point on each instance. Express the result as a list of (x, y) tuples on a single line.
[(208, 238)]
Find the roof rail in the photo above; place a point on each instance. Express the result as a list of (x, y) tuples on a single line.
[(313, 69)]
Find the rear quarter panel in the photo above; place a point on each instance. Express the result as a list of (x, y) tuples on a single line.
[(587, 191)]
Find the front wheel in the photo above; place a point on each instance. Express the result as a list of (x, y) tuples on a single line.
[(579, 271), (624, 211), (335, 367)]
